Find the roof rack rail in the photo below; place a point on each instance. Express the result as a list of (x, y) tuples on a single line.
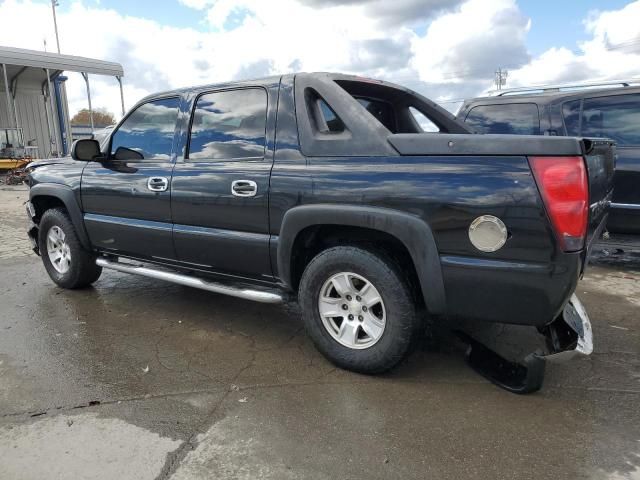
[(562, 87)]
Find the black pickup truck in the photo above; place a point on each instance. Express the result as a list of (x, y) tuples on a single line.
[(325, 188)]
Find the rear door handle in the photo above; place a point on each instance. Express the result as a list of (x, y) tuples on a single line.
[(158, 184), (244, 188)]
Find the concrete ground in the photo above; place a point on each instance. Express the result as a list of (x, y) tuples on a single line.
[(140, 379)]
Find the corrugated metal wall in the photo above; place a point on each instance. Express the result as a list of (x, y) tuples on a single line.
[(32, 117)]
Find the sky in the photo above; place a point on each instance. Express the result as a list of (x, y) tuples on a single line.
[(445, 49)]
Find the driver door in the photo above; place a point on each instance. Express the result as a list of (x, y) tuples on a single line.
[(127, 197)]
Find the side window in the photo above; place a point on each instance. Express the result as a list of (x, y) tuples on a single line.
[(147, 134), (334, 124), (616, 117), (382, 111), (510, 118), (425, 124), (229, 124), (571, 115)]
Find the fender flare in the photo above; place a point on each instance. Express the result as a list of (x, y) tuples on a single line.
[(410, 230), (66, 195)]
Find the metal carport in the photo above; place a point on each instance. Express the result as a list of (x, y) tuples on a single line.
[(32, 98)]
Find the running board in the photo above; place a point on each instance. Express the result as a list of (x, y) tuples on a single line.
[(245, 293)]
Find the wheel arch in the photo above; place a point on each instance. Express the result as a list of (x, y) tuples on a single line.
[(44, 196), (412, 232)]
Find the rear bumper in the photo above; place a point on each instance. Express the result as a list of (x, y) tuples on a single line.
[(570, 334), (567, 336), (492, 290)]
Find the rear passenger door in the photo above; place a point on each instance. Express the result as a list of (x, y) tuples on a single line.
[(220, 188), (127, 197)]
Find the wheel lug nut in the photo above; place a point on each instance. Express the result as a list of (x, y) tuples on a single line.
[(360, 317), (344, 306), (349, 297), (350, 317), (364, 308), (358, 298)]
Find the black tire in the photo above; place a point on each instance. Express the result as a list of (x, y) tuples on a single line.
[(402, 321), (82, 270)]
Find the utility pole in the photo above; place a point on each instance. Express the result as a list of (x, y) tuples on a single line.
[(501, 78), (64, 114), (54, 4)]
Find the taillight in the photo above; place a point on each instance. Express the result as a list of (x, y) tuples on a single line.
[(563, 184)]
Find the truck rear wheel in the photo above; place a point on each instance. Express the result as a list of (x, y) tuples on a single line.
[(68, 264), (358, 309)]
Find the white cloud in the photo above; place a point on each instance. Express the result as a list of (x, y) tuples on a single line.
[(453, 56), (470, 43), (613, 52)]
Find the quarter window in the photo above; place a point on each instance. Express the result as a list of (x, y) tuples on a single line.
[(382, 111), (147, 134), (425, 123), (229, 125), (512, 118), (334, 124)]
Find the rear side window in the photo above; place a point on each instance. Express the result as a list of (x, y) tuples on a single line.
[(334, 124), (571, 115), (512, 118), (229, 125), (147, 134), (381, 110), (616, 117), (425, 123)]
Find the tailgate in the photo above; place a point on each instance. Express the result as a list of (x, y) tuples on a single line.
[(599, 155)]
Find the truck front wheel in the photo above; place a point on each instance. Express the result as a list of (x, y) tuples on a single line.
[(358, 309), (68, 264)]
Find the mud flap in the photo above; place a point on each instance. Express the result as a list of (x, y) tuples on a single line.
[(566, 336)]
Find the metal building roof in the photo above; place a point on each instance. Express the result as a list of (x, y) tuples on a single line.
[(55, 61)]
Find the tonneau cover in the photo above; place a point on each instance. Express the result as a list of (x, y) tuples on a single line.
[(473, 144)]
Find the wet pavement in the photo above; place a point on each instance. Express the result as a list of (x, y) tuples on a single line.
[(135, 378)]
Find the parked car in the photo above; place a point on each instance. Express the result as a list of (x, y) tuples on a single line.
[(324, 187), (610, 112)]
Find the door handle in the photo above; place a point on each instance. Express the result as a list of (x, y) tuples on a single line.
[(158, 184), (244, 188)]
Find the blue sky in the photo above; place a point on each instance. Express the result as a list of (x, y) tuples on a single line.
[(559, 23), (553, 23), (445, 49)]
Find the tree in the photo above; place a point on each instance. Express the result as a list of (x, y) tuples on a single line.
[(101, 117)]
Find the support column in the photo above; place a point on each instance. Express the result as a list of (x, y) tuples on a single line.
[(45, 153), (56, 132), (121, 94), (11, 106), (86, 80)]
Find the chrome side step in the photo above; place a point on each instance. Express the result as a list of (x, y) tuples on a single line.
[(246, 293)]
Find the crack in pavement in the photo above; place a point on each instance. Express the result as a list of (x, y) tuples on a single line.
[(174, 458), (93, 403)]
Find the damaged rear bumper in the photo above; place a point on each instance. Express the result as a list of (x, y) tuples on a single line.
[(568, 335)]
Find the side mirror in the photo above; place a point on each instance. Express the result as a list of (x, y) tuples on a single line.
[(85, 149)]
